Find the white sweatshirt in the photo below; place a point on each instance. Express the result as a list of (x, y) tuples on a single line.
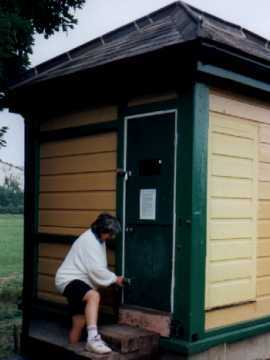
[(86, 261)]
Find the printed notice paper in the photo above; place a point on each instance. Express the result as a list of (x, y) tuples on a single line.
[(148, 204)]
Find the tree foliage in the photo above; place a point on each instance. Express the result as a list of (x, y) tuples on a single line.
[(20, 20), (11, 197), (3, 130)]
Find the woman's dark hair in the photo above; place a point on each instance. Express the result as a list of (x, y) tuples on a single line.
[(106, 223)]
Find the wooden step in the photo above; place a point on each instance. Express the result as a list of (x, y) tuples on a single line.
[(128, 339), (152, 320)]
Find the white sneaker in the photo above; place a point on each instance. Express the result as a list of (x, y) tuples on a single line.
[(97, 345)]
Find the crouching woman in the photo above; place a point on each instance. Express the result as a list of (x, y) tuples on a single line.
[(80, 275)]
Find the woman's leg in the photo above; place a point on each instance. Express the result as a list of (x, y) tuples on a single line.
[(78, 323), (92, 300)]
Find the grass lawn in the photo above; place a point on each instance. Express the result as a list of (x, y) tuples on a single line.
[(11, 244), (11, 257)]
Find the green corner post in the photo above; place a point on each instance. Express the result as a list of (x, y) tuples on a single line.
[(191, 208)]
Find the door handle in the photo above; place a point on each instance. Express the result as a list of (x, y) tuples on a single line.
[(130, 229), (182, 221)]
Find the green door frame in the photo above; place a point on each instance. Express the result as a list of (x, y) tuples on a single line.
[(138, 112), (191, 180)]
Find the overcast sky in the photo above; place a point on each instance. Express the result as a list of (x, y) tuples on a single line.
[(100, 16)]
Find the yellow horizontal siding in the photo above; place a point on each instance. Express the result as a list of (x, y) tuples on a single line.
[(229, 105), (221, 271), (230, 292), (232, 104), (77, 182), (231, 187), (232, 200), (53, 254), (46, 283), (48, 266), (73, 218), (263, 191), (264, 134), (263, 248), (231, 167), (229, 229), (54, 230), (83, 145), (55, 251), (78, 164), (225, 208), (239, 313), (93, 116), (55, 298), (89, 200), (229, 250)]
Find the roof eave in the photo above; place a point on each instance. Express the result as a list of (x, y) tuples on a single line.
[(236, 56)]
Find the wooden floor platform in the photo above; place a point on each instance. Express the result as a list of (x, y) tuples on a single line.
[(127, 342)]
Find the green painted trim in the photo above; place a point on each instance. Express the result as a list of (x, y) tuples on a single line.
[(150, 107), (199, 210), (185, 347), (119, 190), (73, 132), (237, 327), (29, 225), (218, 72), (36, 172), (183, 213), (191, 204)]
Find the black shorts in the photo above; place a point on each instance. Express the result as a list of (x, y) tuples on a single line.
[(74, 292)]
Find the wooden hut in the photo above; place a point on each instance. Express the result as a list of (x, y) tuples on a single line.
[(164, 122)]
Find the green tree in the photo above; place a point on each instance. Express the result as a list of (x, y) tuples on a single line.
[(3, 130), (20, 20), (11, 196)]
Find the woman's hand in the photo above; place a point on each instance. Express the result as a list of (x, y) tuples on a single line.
[(120, 281)]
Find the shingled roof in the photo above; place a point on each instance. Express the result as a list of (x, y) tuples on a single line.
[(175, 24)]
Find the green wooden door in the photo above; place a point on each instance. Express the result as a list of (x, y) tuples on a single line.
[(149, 210)]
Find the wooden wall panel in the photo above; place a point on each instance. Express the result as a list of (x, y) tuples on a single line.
[(74, 186), (82, 145), (78, 164), (77, 182), (252, 111), (94, 116), (78, 201), (232, 200)]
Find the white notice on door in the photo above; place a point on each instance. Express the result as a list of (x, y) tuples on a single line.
[(148, 204)]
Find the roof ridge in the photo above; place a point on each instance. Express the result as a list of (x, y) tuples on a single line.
[(197, 18)]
